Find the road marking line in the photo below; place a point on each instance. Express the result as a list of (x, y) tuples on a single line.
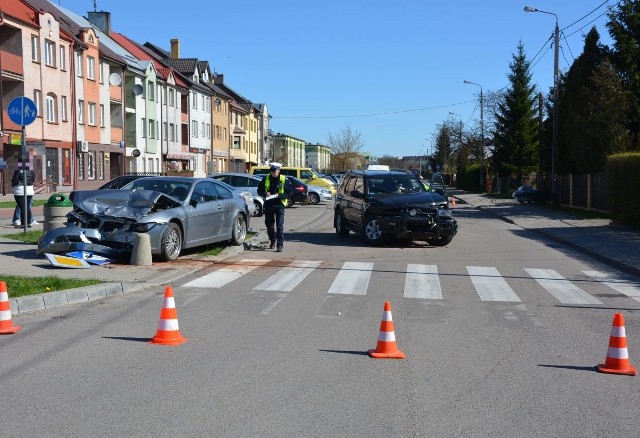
[(422, 281), (289, 277), (490, 285), (226, 275), (561, 288), (353, 279), (625, 287)]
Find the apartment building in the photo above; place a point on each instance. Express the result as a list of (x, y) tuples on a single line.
[(289, 150), (318, 156)]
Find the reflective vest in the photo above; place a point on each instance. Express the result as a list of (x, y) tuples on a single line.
[(267, 184)]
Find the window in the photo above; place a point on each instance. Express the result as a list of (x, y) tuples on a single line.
[(151, 89), (81, 166), (92, 114), (35, 48), (62, 59), (79, 64), (172, 132), (100, 68), (37, 99), (194, 100), (63, 108), (202, 132), (91, 165), (152, 129), (91, 68), (49, 53), (236, 142), (172, 97), (194, 129), (81, 111), (224, 134), (51, 109), (144, 127), (101, 162), (165, 131), (102, 116), (208, 132)]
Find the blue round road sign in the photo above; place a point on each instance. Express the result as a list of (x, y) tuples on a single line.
[(22, 110)]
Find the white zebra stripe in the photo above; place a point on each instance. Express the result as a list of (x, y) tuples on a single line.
[(353, 279), (387, 336), (422, 281), (168, 324), (617, 353), (561, 288), (289, 277), (224, 276), (5, 315), (619, 285), (490, 285)]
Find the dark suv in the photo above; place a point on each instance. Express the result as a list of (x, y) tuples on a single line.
[(379, 204)]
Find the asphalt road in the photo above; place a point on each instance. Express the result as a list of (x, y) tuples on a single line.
[(281, 349)]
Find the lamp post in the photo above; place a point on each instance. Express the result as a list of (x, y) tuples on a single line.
[(481, 132), (458, 115), (554, 138)]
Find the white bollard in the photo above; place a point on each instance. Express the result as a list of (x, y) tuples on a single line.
[(141, 254)]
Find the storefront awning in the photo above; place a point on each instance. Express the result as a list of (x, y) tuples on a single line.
[(179, 156)]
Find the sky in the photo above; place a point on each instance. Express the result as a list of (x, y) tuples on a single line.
[(389, 71)]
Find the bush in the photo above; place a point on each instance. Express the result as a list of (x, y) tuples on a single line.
[(623, 175)]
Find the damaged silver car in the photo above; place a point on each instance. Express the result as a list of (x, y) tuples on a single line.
[(177, 213)]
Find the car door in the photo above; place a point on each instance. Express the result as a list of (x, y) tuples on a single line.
[(205, 212), (437, 184), (358, 202), (346, 198), (228, 208)]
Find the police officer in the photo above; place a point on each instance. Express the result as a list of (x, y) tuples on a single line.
[(275, 189)]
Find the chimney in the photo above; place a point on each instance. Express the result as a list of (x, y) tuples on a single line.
[(175, 48), (101, 20), (218, 79)]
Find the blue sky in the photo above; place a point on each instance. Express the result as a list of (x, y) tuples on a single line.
[(391, 71)]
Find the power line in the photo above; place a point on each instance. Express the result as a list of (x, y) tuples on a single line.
[(585, 16), (374, 114)]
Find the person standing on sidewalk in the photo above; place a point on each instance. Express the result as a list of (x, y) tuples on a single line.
[(17, 182), (275, 189)]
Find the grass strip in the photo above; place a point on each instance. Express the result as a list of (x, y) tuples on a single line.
[(19, 286)]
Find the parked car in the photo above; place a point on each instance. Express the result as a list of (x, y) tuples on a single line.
[(244, 182), (299, 191), (176, 213), (306, 174), (379, 204), (318, 194), (527, 194)]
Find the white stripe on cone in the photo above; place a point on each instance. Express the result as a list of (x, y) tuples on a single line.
[(5, 315), (617, 353), (386, 316), (387, 336), (169, 303), (618, 331), (4, 296), (168, 324)]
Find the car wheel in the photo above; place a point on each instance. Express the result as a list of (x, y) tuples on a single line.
[(341, 230), (372, 232), (258, 211), (239, 231), (171, 244), (314, 199), (443, 241)]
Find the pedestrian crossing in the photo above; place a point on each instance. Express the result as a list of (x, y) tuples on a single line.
[(421, 281)]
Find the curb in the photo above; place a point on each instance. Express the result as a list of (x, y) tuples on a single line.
[(58, 298)]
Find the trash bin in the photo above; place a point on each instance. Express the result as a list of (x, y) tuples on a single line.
[(55, 211)]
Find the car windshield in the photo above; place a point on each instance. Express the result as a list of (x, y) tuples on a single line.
[(176, 189), (385, 185)]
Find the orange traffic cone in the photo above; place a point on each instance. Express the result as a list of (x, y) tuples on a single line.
[(6, 324), (617, 361), (386, 347), (168, 332)]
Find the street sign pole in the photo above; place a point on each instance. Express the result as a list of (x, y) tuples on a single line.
[(23, 111)]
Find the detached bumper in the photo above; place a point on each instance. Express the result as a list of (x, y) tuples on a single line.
[(418, 227)]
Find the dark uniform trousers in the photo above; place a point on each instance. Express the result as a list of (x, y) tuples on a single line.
[(274, 215)]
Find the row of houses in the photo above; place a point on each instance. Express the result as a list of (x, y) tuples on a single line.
[(108, 105)]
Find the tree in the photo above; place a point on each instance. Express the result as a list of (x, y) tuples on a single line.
[(345, 148), (444, 148), (591, 110), (624, 28), (516, 126)]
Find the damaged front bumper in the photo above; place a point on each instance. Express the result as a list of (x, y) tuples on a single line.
[(73, 238), (417, 224)]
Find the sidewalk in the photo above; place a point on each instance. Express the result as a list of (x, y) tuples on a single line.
[(617, 245)]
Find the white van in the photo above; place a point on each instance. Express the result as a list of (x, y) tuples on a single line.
[(377, 167)]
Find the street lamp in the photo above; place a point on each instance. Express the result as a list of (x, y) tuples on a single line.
[(481, 132), (554, 138)]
